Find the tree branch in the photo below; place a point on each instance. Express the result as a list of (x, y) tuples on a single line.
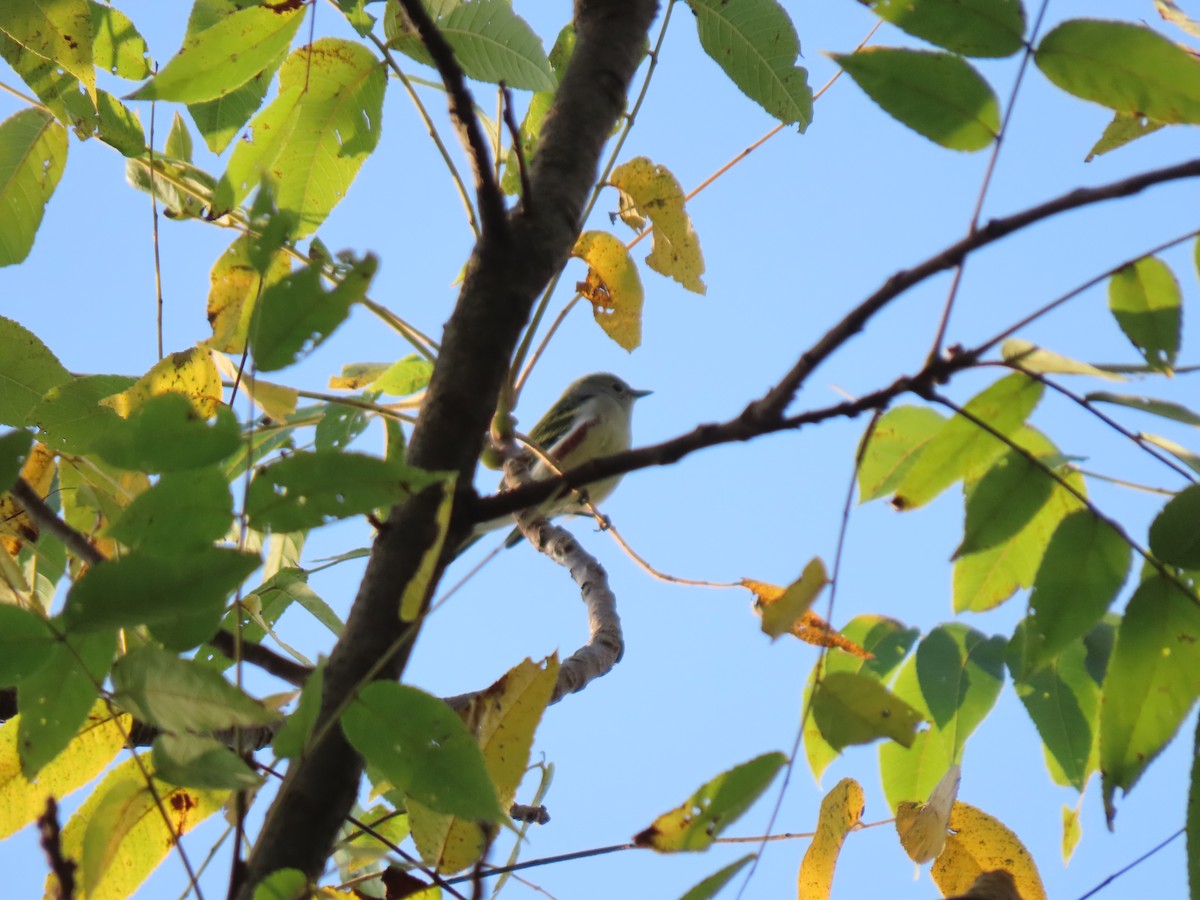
[(507, 270)]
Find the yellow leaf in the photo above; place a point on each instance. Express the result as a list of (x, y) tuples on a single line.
[(784, 610), (277, 401), (16, 528), (651, 191), (1072, 832), (189, 372), (414, 591), (119, 836), (21, 801), (922, 828), (981, 843), (613, 287), (841, 810), (235, 286), (356, 376), (503, 719)]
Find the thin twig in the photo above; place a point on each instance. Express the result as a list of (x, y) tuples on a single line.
[(1141, 859)]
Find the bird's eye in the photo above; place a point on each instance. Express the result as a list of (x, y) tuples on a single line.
[(618, 387)]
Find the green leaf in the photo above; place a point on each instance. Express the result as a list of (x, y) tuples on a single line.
[(117, 47), (220, 59), (118, 126), (889, 641), (853, 708), (1123, 129), (283, 884), (297, 728), (1181, 453), (26, 644), (14, 448), (1152, 681), (183, 511), (184, 190), (33, 152), (404, 377), (960, 672), (165, 434), (937, 95), (1032, 358), (712, 808), (898, 438), (1063, 700), (911, 773), (179, 140), (714, 883), (59, 695), (423, 748), (1155, 407), (971, 27), (315, 135), (1126, 67), (305, 490), (295, 314), (1175, 532), (141, 588), (755, 42), (1146, 302), (962, 449), (57, 30), (70, 415), (220, 120), (1193, 818), (1003, 502), (203, 762), (1083, 569), (175, 694), (490, 41)]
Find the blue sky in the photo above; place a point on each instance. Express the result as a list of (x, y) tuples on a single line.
[(793, 237)]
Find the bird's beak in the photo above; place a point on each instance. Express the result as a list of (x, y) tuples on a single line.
[(637, 395)]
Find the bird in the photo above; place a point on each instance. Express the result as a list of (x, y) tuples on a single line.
[(591, 419)]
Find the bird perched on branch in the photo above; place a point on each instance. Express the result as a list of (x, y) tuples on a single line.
[(590, 420)]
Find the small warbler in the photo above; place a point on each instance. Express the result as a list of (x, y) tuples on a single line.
[(590, 420)]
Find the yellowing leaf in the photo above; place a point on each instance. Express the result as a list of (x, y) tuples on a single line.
[(922, 828), (277, 401), (783, 612), (841, 810), (503, 719), (613, 287), (981, 843), (1072, 832), (189, 372), (235, 286), (119, 834), (93, 748), (16, 527), (414, 591), (651, 191), (853, 708)]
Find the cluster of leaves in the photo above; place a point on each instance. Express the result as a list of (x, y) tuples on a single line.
[(119, 623)]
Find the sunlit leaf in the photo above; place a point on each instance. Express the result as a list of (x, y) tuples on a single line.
[(17, 528), (33, 152), (981, 843), (755, 42), (1072, 832), (962, 449), (783, 611), (1146, 302), (922, 827), (1123, 66), (852, 708), (1033, 358), (894, 445), (961, 672), (841, 810), (613, 287), (235, 288), (1174, 535), (423, 748), (1163, 408), (937, 95), (217, 60), (1004, 502), (117, 46), (712, 808), (970, 27), (652, 192), (57, 30), (1152, 681), (1079, 577), (30, 370), (1123, 129)]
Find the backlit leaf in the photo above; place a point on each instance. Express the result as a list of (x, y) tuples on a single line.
[(57, 30), (712, 808), (714, 883), (613, 287), (423, 748), (33, 152), (938, 95), (922, 827), (653, 192), (852, 708), (755, 42), (1153, 680), (786, 610), (1174, 535), (117, 46), (895, 443), (1146, 302), (29, 371), (1123, 66), (1032, 358), (1123, 129), (1155, 407), (190, 373), (960, 672), (841, 810), (71, 417), (981, 843), (235, 286), (970, 27), (1004, 502)]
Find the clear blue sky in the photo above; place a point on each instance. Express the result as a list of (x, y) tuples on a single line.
[(793, 237)]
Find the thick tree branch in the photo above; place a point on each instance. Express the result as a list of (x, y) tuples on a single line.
[(507, 270), (462, 113)]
